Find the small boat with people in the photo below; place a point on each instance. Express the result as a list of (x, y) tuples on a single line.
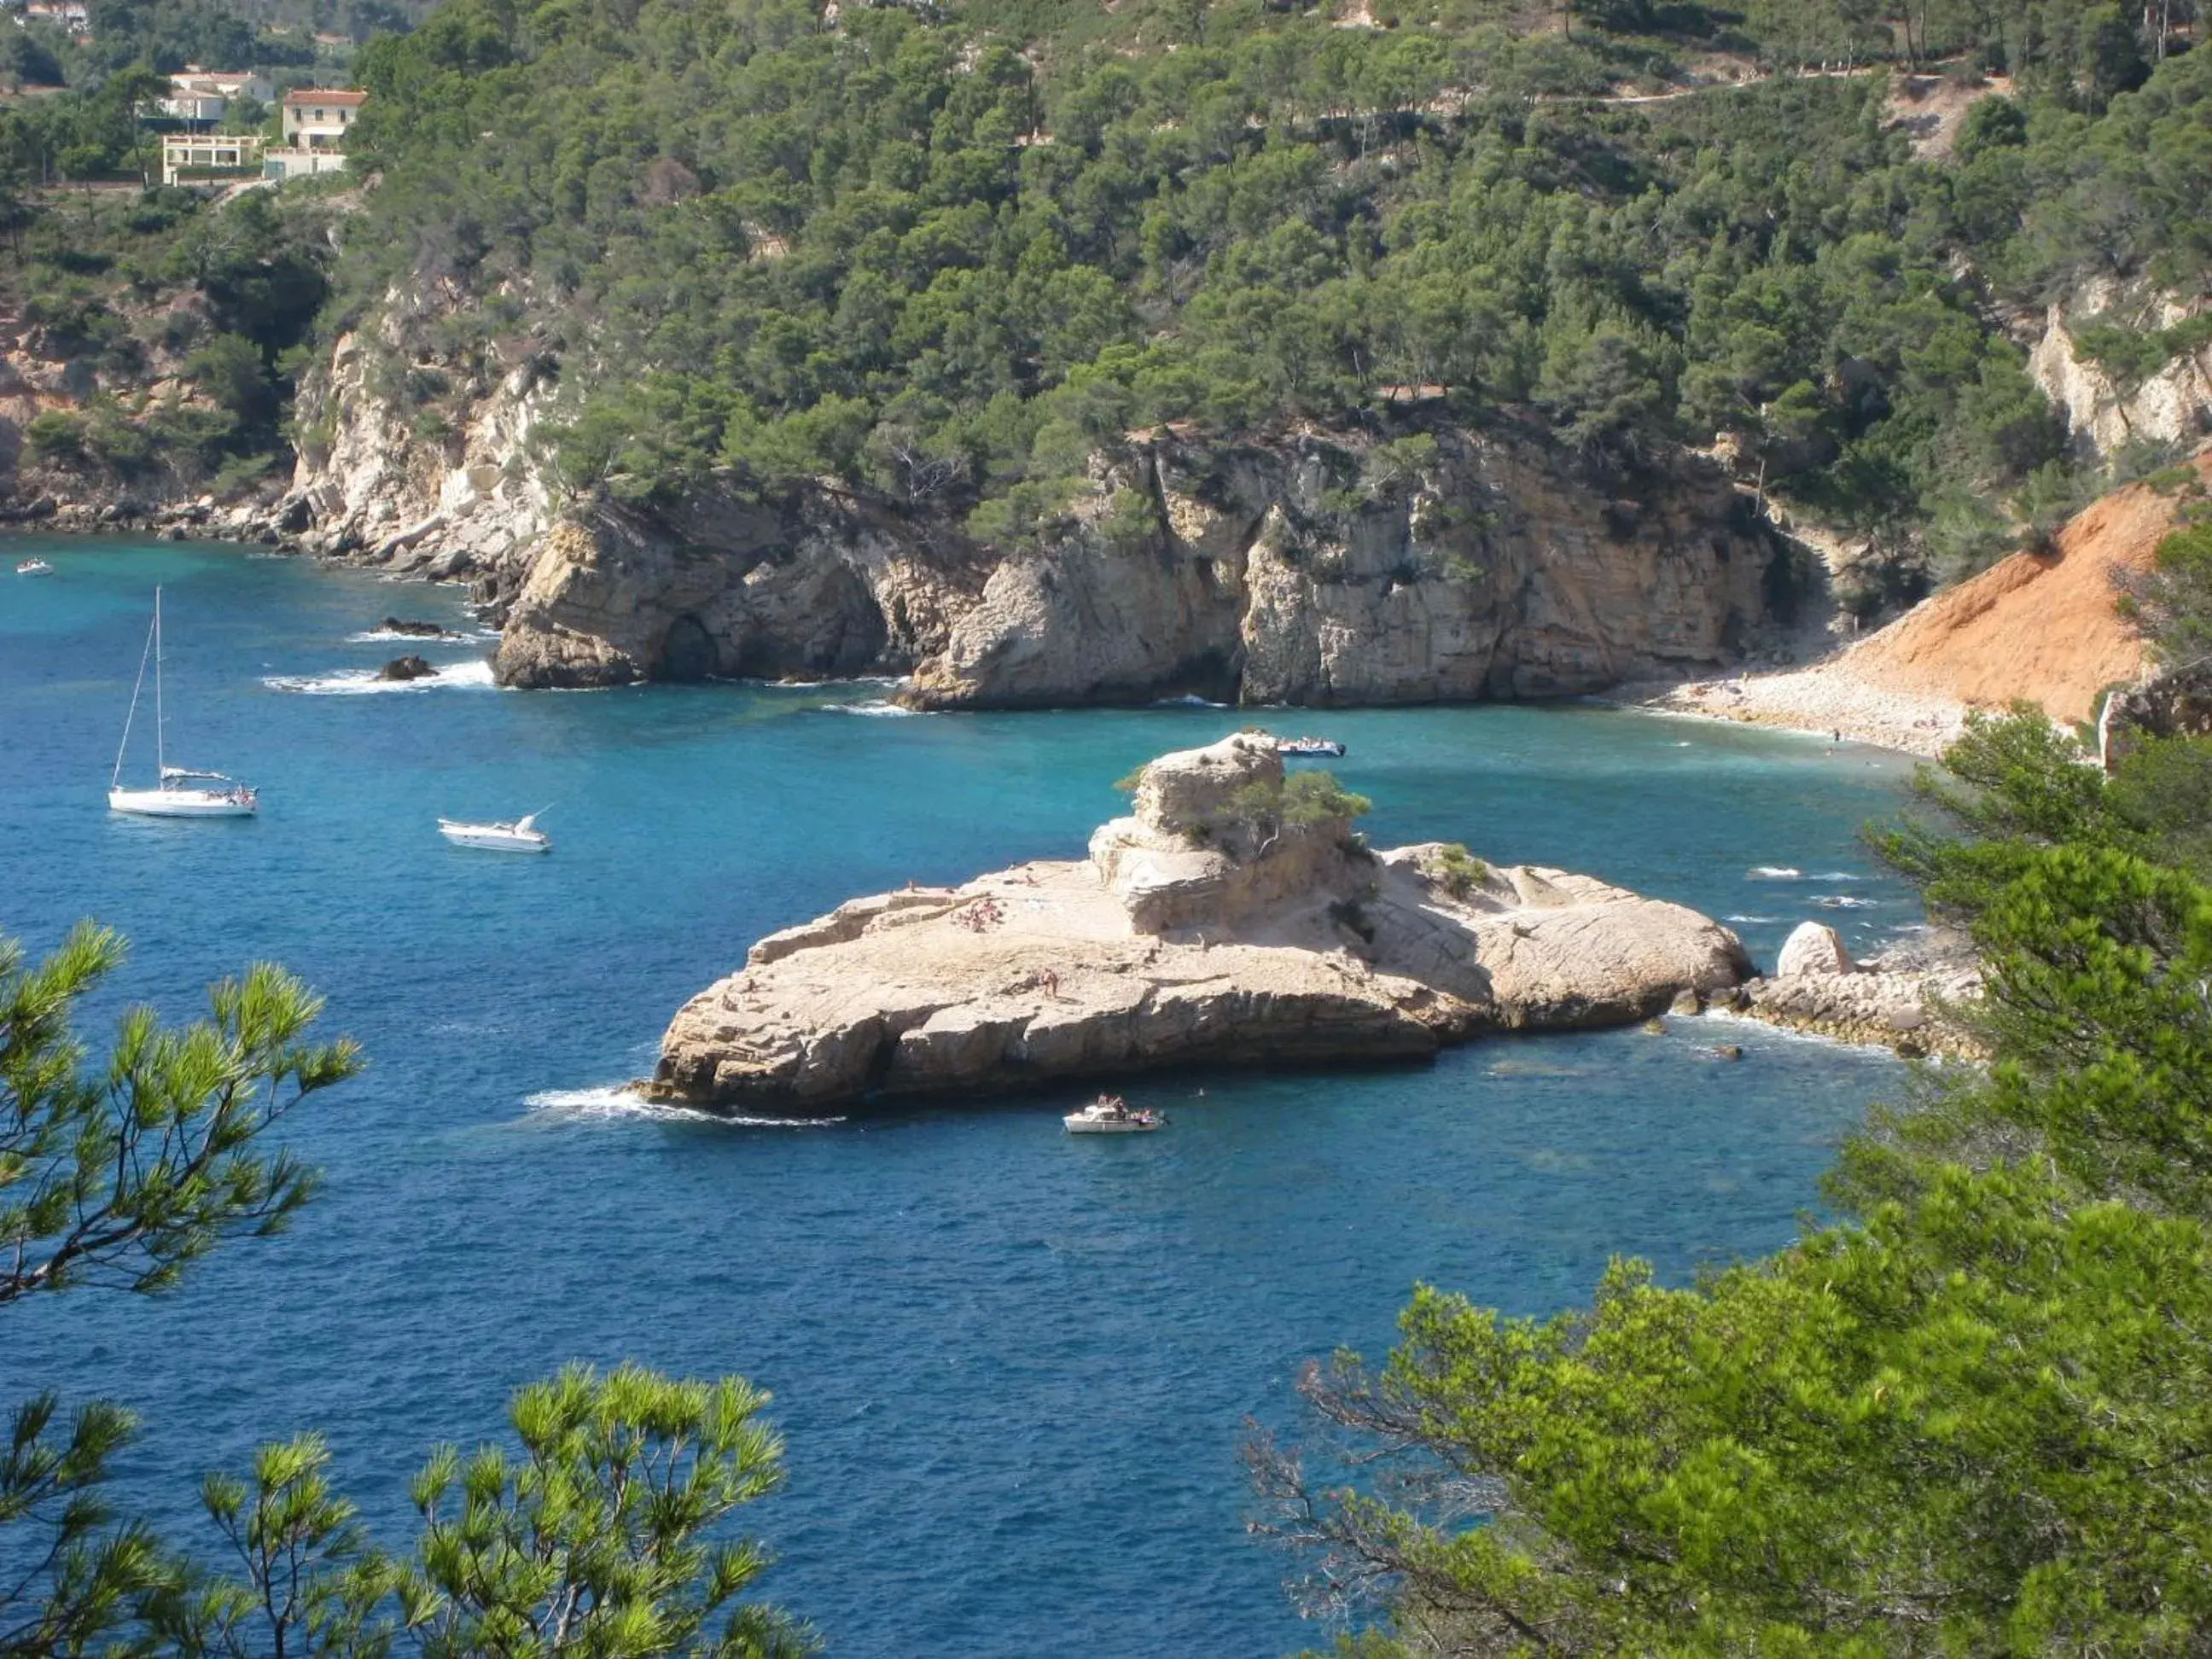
[(521, 837), (1110, 1115), (1308, 748), (179, 792), (34, 567)]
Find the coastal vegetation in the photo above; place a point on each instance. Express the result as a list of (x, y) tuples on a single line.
[(956, 257), (947, 255), (1964, 1416), (600, 1535)]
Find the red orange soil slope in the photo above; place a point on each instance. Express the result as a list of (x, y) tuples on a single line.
[(2041, 629)]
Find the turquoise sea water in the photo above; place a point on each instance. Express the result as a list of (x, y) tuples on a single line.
[(1012, 1369)]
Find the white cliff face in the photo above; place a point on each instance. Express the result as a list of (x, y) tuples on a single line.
[(445, 503), (2172, 405), (1250, 572), (1504, 569), (1272, 571)]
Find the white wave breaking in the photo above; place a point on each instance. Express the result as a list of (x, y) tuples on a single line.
[(878, 710), (1740, 920), (451, 636), (1789, 1036), (1777, 872), (610, 1102), (362, 682), (816, 685), (1842, 902)]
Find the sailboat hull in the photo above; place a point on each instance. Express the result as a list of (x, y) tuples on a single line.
[(181, 802)]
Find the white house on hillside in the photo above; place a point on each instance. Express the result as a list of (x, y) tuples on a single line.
[(201, 95), (316, 120)]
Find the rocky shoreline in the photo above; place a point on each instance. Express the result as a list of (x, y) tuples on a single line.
[(1909, 999), (1233, 918), (271, 524)]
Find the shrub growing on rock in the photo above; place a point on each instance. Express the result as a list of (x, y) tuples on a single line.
[(1459, 870)]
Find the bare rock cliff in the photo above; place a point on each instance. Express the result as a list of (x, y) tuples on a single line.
[(2104, 411), (381, 480), (1281, 572), (725, 589)]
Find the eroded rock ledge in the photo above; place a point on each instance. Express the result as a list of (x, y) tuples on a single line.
[(1906, 998), (1233, 917)]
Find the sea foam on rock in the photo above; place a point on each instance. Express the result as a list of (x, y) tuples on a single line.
[(1230, 918)]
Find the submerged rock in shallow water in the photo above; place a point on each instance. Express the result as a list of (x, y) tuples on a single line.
[(1226, 920)]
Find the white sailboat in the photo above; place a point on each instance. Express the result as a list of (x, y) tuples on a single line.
[(180, 792)]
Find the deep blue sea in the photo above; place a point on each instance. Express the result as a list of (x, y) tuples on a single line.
[(1012, 1368)]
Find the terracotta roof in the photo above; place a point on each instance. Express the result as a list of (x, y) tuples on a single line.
[(345, 96)]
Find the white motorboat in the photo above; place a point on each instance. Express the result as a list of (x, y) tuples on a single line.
[(521, 837), (179, 792), (34, 567), (1110, 1115), (1308, 748)]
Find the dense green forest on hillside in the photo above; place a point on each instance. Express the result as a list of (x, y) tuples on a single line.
[(946, 254), (277, 36), (954, 257)]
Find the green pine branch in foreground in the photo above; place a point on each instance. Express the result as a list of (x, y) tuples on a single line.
[(1973, 1416), (601, 1536)]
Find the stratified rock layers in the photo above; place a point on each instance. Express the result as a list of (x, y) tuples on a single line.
[(1230, 919)]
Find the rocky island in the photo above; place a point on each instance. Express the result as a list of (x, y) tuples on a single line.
[(1234, 917)]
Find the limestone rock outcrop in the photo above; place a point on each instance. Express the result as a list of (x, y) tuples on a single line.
[(459, 500), (1299, 570), (1908, 998), (2105, 411), (1497, 568), (2174, 702), (723, 589), (1233, 917)]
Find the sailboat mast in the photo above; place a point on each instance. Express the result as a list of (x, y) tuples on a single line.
[(160, 719), (115, 779)]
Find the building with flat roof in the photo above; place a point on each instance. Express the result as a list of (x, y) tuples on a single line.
[(189, 158)]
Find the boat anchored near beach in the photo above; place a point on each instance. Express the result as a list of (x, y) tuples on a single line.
[(1110, 1115), (179, 792), (521, 837)]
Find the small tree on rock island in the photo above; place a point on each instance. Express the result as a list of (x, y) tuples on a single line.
[(598, 1539)]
